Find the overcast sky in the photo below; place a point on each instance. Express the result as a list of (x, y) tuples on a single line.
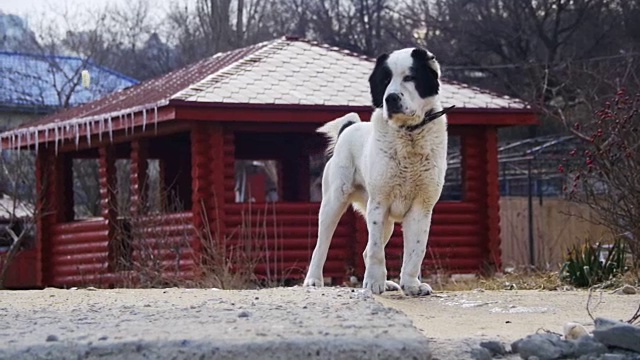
[(30, 8), (24, 7)]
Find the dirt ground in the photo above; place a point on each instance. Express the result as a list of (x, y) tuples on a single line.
[(454, 322), (458, 320)]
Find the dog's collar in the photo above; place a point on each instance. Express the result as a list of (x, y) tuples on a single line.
[(427, 119)]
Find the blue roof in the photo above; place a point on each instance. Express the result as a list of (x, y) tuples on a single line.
[(44, 81)]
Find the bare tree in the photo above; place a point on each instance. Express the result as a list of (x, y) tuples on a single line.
[(18, 208)]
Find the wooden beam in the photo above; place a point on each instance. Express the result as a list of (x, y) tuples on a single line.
[(321, 114)]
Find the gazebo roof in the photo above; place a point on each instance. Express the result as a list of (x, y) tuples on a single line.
[(281, 72)]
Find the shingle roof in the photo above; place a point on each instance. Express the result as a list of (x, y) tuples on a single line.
[(39, 81), (307, 73), (281, 71)]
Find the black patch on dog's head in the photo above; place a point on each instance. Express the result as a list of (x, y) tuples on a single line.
[(426, 78), (379, 80)]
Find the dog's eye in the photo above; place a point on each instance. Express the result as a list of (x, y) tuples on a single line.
[(408, 78)]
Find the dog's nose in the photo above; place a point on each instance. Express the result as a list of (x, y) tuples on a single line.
[(393, 101)]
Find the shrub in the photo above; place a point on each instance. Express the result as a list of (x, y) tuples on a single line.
[(583, 266)]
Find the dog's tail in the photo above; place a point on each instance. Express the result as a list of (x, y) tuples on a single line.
[(334, 128)]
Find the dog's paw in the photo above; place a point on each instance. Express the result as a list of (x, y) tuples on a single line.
[(376, 287), (313, 282), (417, 290), (391, 286)]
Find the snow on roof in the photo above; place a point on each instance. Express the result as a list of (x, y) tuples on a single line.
[(42, 81)]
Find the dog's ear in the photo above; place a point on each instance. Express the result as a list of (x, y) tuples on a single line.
[(426, 71), (379, 79)]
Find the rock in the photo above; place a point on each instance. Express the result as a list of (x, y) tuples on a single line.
[(244, 314), (587, 345), (543, 346), (494, 347), (626, 290), (51, 338), (617, 333), (573, 331), (613, 357), (480, 354)]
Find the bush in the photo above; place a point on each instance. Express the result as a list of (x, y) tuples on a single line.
[(584, 268)]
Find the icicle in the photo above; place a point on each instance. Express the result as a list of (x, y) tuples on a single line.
[(76, 128), (13, 141), (37, 141), (19, 140), (144, 119), (57, 136), (110, 130), (46, 135), (100, 129), (155, 118), (89, 129), (133, 123)]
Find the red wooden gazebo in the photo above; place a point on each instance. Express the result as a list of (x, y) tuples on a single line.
[(234, 139)]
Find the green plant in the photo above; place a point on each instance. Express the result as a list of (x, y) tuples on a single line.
[(583, 266)]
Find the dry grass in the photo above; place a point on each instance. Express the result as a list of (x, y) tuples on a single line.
[(520, 280)]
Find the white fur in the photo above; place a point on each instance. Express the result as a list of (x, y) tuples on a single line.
[(389, 175)]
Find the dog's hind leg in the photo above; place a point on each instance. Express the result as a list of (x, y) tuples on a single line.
[(331, 209)]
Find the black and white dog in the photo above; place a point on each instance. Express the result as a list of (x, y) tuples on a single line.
[(391, 169)]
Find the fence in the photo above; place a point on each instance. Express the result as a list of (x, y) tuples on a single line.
[(557, 224)]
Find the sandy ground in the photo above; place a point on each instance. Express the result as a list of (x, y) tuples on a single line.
[(284, 321), (465, 318)]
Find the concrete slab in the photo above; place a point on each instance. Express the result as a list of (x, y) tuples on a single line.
[(283, 323)]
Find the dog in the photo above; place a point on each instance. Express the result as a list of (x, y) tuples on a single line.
[(391, 169)]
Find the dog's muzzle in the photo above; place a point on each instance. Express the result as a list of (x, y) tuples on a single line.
[(394, 104)]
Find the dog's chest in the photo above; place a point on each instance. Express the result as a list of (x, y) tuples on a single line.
[(415, 174)]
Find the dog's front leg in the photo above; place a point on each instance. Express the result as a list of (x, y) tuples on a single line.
[(415, 227), (375, 274)]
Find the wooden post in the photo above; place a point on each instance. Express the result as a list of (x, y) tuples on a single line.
[(108, 199), (493, 197), (139, 166), (208, 184), (54, 182)]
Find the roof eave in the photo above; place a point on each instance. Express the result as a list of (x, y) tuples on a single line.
[(254, 112)]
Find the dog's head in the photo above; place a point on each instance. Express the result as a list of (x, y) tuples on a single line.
[(405, 84)]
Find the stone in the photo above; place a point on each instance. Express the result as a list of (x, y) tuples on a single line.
[(544, 346), (480, 354), (587, 345), (613, 357), (574, 331), (626, 290), (617, 334), (51, 338), (494, 347)]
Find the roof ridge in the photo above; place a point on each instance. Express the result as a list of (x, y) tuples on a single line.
[(238, 65), (485, 91), (329, 47)]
